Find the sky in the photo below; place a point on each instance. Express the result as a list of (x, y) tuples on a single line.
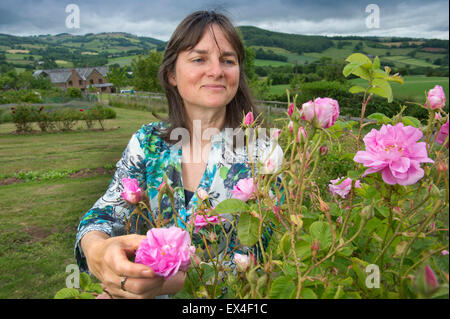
[(159, 18)]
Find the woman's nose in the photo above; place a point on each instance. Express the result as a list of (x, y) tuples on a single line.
[(215, 68)]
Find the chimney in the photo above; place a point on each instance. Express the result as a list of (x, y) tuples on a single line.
[(73, 71)]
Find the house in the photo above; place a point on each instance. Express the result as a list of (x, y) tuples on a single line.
[(81, 78)]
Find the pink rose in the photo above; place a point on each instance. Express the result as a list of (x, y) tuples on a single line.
[(203, 220), (436, 97), (323, 112), (249, 119), (342, 189), (166, 250), (291, 109), (244, 189), (132, 193), (442, 134), (395, 152), (430, 279)]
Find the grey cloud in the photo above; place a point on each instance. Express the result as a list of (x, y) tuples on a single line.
[(158, 18)]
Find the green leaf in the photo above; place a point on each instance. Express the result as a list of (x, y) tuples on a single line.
[(354, 175), (97, 288), (282, 288), (356, 89), (385, 86), (362, 73), (303, 249), (412, 121), (359, 58), (376, 63), (321, 231), (308, 293), (248, 229), (358, 266), (380, 118), (230, 206), (85, 280), (395, 78), (208, 272), (67, 293), (350, 68), (85, 295), (377, 91)]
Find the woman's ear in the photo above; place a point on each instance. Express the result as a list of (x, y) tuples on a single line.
[(172, 79)]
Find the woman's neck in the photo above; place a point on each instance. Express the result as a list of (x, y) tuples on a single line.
[(204, 123)]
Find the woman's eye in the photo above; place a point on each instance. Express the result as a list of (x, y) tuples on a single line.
[(198, 60), (231, 62)]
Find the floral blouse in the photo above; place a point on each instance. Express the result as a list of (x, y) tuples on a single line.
[(148, 158)]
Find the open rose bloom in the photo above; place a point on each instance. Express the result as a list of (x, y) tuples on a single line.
[(244, 189), (342, 189), (203, 220), (396, 152), (442, 134), (166, 251)]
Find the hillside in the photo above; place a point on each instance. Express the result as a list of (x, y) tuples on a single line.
[(418, 56)]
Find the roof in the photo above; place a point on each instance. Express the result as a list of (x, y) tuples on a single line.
[(62, 75)]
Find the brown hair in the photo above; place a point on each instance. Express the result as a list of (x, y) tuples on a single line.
[(188, 33)]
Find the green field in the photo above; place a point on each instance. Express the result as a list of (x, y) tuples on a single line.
[(259, 62), (122, 61), (414, 87), (39, 219)]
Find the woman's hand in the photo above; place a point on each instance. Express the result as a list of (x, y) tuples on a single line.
[(107, 259)]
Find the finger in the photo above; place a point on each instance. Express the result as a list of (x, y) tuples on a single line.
[(117, 260), (114, 288), (144, 286)]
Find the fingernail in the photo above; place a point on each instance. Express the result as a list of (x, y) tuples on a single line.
[(147, 272)]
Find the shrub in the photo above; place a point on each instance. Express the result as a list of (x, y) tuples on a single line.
[(73, 92), (23, 116)]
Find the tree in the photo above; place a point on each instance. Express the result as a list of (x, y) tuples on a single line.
[(145, 71), (249, 63), (118, 77)]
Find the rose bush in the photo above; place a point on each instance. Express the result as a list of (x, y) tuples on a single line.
[(289, 237)]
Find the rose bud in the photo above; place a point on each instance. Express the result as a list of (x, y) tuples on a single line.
[(249, 119), (242, 262), (436, 97)]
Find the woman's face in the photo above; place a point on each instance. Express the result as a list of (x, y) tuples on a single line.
[(206, 76)]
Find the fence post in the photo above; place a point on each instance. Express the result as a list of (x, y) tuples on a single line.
[(149, 103)]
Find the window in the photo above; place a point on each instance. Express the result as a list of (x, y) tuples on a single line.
[(80, 82), (91, 81), (70, 83), (100, 80)]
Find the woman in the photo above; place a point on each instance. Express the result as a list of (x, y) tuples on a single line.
[(205, 86)]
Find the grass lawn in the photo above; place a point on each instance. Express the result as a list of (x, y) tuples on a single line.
[(38, 219)]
